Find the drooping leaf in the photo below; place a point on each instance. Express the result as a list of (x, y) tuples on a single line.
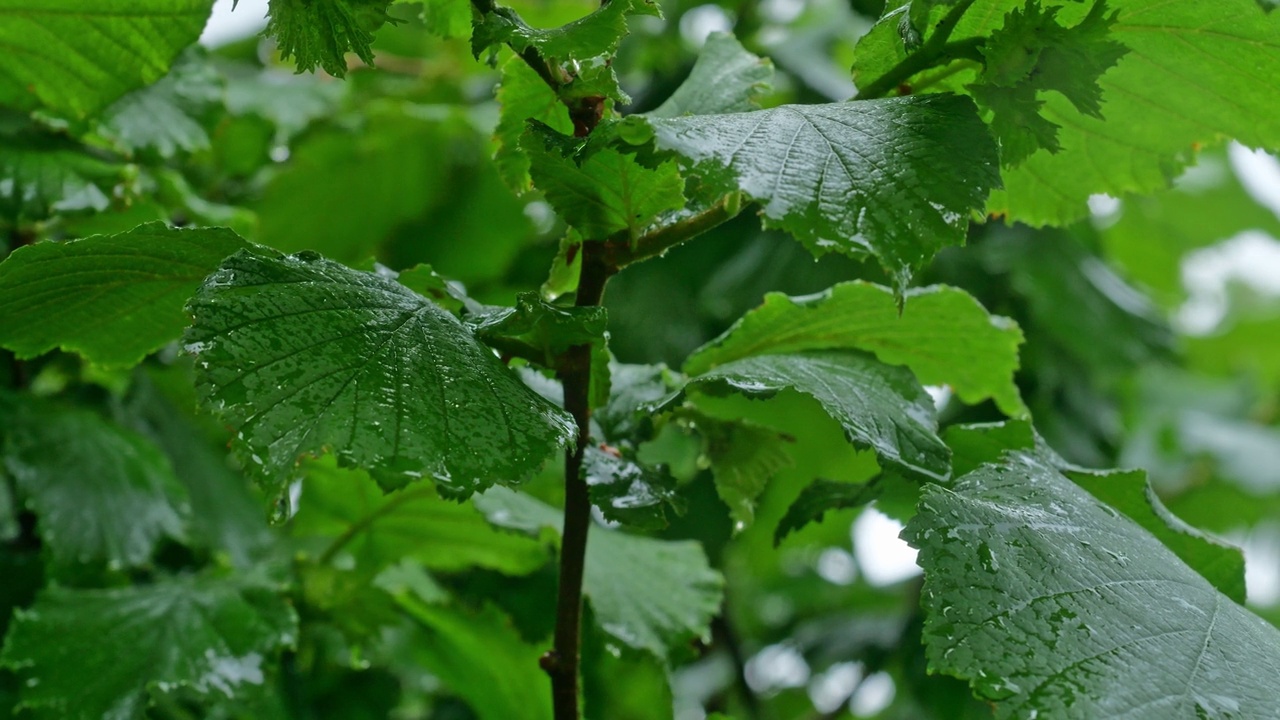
[(743, 457), (378, 530), (165, 117), (111, 298), (607, 193), (628, 491), (652, 595), (1120, 626), (880, 407), (100, 492), (595, 34), (46, 175), (319, 33), (481, 657), (97, 654), (820, 497), (894, 178), (725, 79), (303, 355), (635, 390), (943, 334), (74, 57)]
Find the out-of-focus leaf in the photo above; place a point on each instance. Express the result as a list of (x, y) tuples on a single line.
[(880, 407), (302, 355), (46, 175), (725, 79), (111, 298), (97, 654), (100, 492), (652, 595), (165, 116), (1121, 626), (595, 34), (894, 178), (74, 57), (942, 334), (378, 530), (744, 456)]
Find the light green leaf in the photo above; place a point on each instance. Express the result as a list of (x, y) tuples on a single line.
[(319, 33), (524, 97), (725, 79), (652, 595), (165, 117), (894, 178), (45, 175), (378, 529), (943, 334), (74, 57), (1120, 627), (608, 193), (595, 34), (744, 457), (304, 355), (111, 298), (101, 493), (447, 18), (97, 654), (482, 658), (880, 407)]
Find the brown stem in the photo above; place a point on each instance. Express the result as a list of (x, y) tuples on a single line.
[(562, 662)]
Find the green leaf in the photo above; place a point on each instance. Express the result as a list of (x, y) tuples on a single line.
[(447, 18), (943, 334), (1034, 53), (45, 175), (378, 529), (627, 491), (111, 298), (1130, 493), (818, 498), (608, 193), (1151, 121), (304, 355), (481, 657), (524, 97), (652, 595), (74, 57), (319, 33), (880, 407), (165, 117), (635, 390), (98, 654), (725, 79), (100, 492), (595, 34), (539, 331), (1120, 626), (744, 457), (894, 178)]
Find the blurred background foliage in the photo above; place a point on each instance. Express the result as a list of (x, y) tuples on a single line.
[(1153, 341)]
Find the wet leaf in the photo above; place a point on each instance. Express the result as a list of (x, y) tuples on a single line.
[(725, 79), (628, 491)]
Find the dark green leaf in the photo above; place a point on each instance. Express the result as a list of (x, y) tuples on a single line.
[(635, 390), (894, 178), (880, 407), (725, 79), (539, 331), (627, 491), (608, 193), (111, 298), (100, 492), (320, 33), (378, 529), (942, 334), (165, 117), (97, 654), (74, 57), (819, 497), (304, 355), (652, 595), (585, 38), (1118, 626)]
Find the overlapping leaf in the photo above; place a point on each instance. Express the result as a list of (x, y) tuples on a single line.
[(111, 298), (524, 97), (628, 491), (304, 355), (881, 407), (595, 34), (101, 493), (319, 33), (652, 595), (165, 117), (74, 57), (98, 654), (1120, 626), (942, 334), (895, 178)]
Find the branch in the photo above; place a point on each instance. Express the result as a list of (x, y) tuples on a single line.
[(620, 250), (935, 50)]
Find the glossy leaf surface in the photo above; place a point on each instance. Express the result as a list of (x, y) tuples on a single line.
[(896, 178), (1121, 626), (303, 355), (943, 334), (111, 298)]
